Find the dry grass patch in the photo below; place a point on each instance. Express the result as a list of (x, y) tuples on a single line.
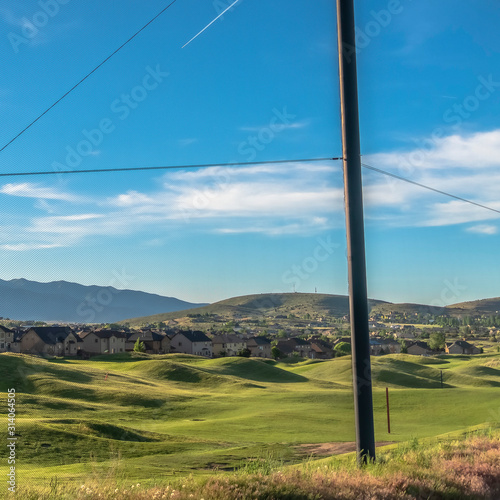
[(466, 468)]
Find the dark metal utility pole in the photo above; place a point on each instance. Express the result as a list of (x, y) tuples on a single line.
[(358, 299)]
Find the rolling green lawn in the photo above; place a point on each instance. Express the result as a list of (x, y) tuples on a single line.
[(147, 417)]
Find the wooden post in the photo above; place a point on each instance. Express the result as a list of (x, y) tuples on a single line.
[(388, 411)]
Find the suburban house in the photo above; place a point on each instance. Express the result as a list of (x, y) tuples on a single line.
[(375, 347), (321, 349), (6, 339), (390, 346), (380, 345), (51, 340), (259, 347), (103, 341), (191, 342), (461, 347), (300, 346), (418, 348), (229, 344), (154, 342), (16, 345), (404, 334)]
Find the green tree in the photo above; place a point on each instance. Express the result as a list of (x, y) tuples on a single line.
[(139, 346), (244, 353), (437, 341), (404, 347), (275, 352), (343, 348)]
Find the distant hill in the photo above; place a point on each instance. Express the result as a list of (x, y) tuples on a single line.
[(63, 301), (266, 304), (473, 308), (484, 306), (408, 308), (316, 305)]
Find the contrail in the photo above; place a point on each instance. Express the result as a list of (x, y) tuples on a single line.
[(221, 14)]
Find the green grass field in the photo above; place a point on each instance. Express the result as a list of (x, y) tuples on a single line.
[(149, 418)]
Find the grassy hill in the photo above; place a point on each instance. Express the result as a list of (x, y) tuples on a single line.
[(264, 305), (484, 306), (473, 308), (143, 417), (290, 306)]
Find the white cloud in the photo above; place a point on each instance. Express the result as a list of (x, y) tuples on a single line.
[(76, 226), (280, 126), (22, 247), (478, 150), (223, 194), (483, 229), (304, 227), (286, 199), (276, 199), (31, 190), (457, 212), (130, 199), (465, 165)]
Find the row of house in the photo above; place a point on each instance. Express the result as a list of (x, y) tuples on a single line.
[(458, 347), (63, 341)]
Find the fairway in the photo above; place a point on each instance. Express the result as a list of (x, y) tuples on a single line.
[(145, 417)]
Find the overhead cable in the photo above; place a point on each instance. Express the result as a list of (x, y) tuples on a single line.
[(86, 76)]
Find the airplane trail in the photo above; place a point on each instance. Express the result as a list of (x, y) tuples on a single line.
[(208, 25)]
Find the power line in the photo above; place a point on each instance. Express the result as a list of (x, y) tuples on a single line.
[(86, 76), (244, 163), (404, 179), (163, 167)]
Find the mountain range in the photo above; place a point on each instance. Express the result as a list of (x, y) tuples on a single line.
[(63, 301)]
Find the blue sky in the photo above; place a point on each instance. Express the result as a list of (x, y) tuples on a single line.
[(260, 84)]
